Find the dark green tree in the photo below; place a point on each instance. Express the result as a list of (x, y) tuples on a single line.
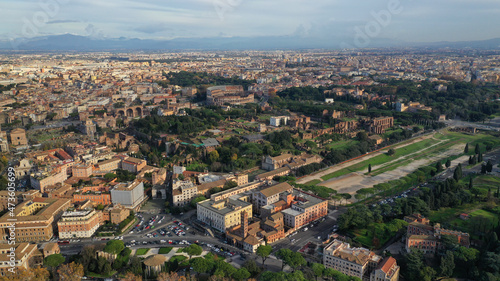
[(466, 149), (447, 264), (264, 251), (369, 168), (448, 163)]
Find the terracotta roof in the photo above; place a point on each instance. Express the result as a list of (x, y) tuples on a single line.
[(387, 264)]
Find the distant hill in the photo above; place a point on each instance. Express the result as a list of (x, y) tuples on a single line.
[(69, 42)]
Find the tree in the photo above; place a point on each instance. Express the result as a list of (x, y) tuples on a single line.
[(252, 267), (318, 269), (479, 157), (296, 260), (489, 166), (447, 264), (114, 247), (54, 260), (369, 168), (457, 174), (241, 274), (172, 276), (213, 156), (448, 163), (466, 149), (284, 255), (193, 250), (109, 176), (264, 251), (132, 277), (391, 152), (200, 265), (477, 150), (483, 169), (439, 167), (71, 272), (230, 184), (346, 196)]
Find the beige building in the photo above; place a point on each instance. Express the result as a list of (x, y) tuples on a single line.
[(78, 224), (24, 257), (118, 214), (224, 214), (183, 192), (110, 165), (19, 196), (82, 170), (36, 219), (18, 137), (359, 262), (42, 180), (133, 165)]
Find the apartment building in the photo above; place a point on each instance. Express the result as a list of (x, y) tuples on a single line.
[(24, 257), (42, 180), (422, 235), (78, 224), (183, 192), (130, 195), (359, 262), (19, 196), (36, 219), (118, 214), (270, 195), (223, 214), (133, 165), (110, 165), (304, 209), (82, 170)]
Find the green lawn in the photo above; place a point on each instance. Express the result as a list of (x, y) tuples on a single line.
[(381, 159), (165, 250), (97, 275), (313, 182), (178, 258), (141, 251), (480, 221)]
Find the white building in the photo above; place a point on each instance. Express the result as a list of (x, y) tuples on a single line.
[(129, 195), (278, 121)]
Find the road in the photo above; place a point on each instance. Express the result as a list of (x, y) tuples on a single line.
[(488, 127)]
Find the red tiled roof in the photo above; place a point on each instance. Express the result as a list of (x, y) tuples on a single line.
[(387, 264)]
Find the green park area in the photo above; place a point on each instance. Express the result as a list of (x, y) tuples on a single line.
[(377, 234), (164, 251), (382, 158), (440, 143), (142, 251)]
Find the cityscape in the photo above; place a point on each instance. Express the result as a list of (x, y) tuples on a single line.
[(175, 158)]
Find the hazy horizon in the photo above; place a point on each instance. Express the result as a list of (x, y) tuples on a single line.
[(401, 20)]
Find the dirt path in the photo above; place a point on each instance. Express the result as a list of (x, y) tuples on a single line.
[(338, 167), (354, 181)]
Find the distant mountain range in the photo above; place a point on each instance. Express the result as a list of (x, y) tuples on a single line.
[(69, 42)]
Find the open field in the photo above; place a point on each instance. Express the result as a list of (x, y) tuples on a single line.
[(352, 176), (480, 221)]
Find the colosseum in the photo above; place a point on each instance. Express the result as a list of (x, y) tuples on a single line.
[(220, 95)]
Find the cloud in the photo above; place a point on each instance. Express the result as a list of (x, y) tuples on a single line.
[(422, 20), (153, 28), (61, 21)]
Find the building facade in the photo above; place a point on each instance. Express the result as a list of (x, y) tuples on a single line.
[(78, 224)]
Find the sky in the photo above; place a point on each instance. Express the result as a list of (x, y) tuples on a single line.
[(402, 20)]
